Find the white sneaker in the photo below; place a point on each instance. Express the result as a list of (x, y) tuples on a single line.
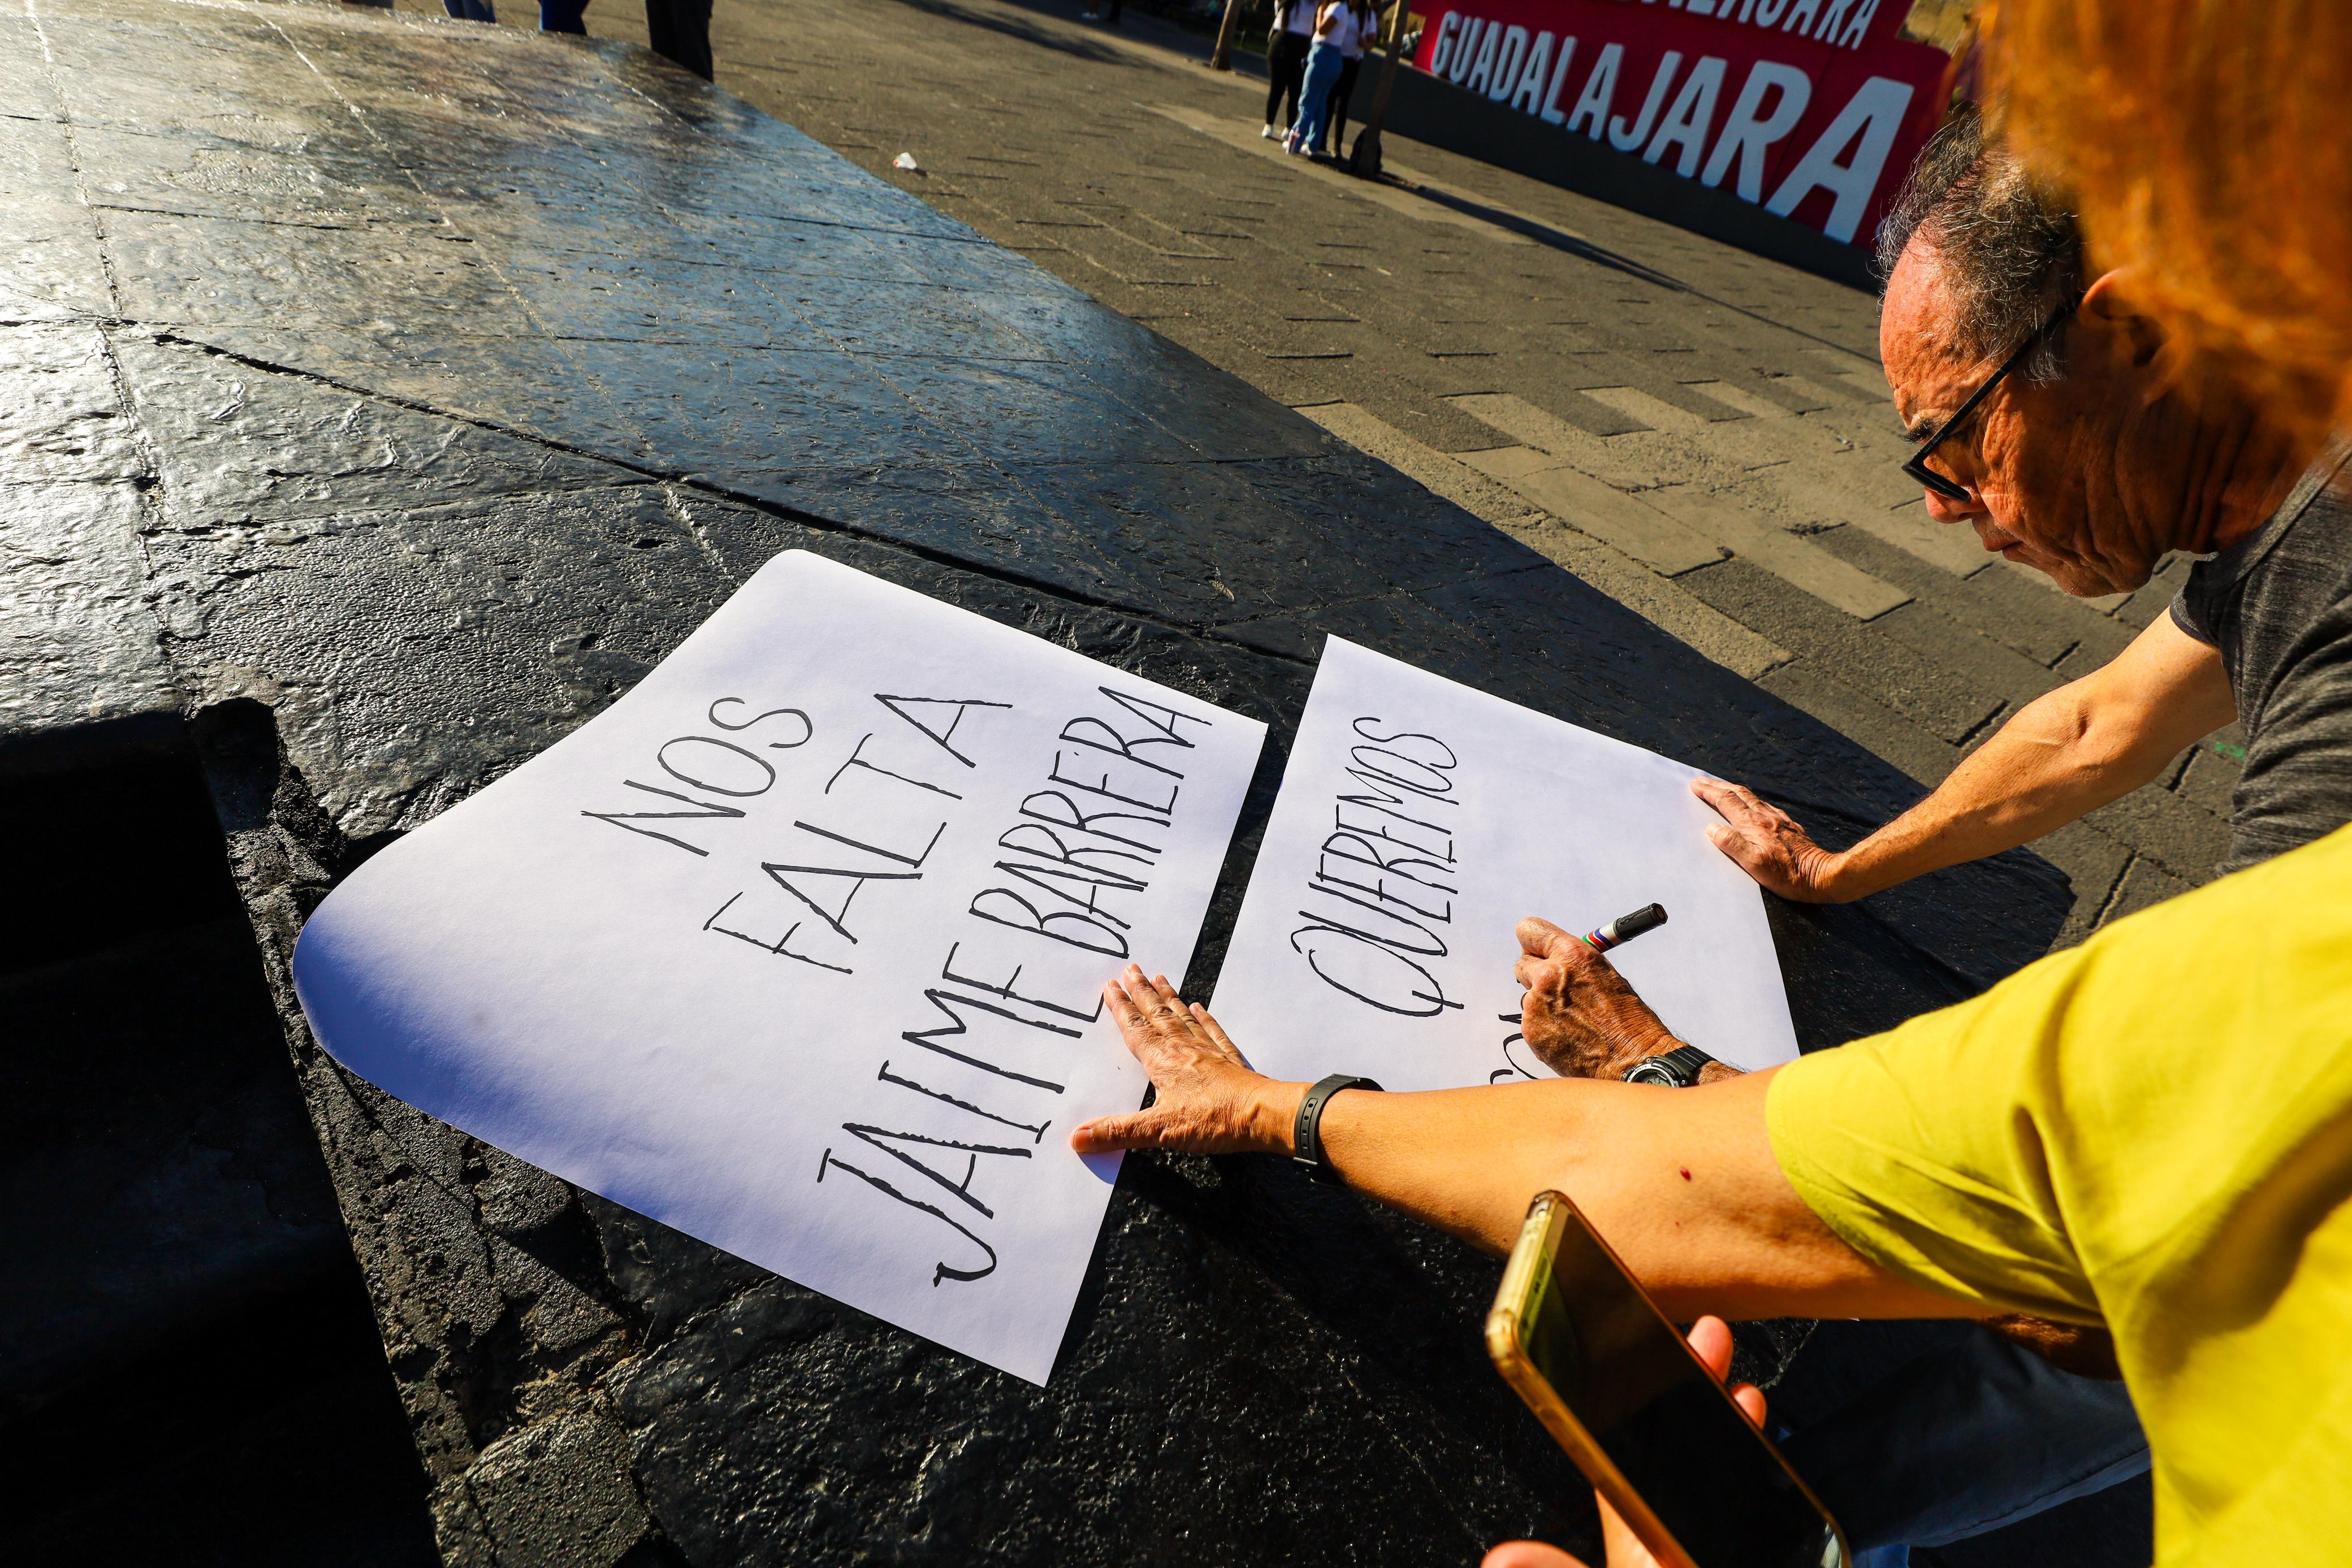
[(1271, 134)]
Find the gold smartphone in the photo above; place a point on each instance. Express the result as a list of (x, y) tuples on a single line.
[(1619, 1387)]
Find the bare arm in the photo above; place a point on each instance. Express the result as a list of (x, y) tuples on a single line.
[(2064, 755), (1581, 1018), (1681, 1181)]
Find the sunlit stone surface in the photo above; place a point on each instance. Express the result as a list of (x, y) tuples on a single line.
[(378, 400)]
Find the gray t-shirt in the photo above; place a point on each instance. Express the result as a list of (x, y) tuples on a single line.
[(2278, 605)]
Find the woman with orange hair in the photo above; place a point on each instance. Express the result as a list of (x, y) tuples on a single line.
[(2205, 143)]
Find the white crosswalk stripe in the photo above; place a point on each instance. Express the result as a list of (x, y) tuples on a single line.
[(1669, 474)]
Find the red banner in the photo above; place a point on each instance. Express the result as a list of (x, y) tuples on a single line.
[(1813, 108)]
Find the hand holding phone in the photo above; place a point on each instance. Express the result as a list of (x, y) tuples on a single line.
[(1711, 1341), (1686, 1477)]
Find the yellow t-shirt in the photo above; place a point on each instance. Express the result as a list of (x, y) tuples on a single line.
[(2153, 1130)]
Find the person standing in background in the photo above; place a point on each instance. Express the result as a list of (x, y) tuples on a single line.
[(1335, 26), (1285, 62), (680, 31), (471, 10), (677, 30), (1351, 65)]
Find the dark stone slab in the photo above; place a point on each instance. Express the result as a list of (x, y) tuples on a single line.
[(189, 1368), (452, 375), (81, 671), (145, 1087)]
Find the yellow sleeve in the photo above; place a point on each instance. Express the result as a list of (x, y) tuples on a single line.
[(1917, 1148), (2152, 1130)]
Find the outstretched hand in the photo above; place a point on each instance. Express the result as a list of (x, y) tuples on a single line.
[(1770, 845), (1711, 1338), (1207, 1100), (1578, 1014)]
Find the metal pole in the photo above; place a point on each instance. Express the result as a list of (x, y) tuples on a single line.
[(1364, 160), (1220, 58)]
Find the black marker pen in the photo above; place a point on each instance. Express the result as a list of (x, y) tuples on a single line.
[(1625, 927)]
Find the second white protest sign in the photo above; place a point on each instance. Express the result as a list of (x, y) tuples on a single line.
[(1419, 821)]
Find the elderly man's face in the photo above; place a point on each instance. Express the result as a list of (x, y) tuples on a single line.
[(2042, 465)]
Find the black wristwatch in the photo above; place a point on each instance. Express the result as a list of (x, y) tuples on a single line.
[(1307, 1135), (1676, 1069)]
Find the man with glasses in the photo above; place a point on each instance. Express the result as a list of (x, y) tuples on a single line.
[(2047, 417), (2081, 455)]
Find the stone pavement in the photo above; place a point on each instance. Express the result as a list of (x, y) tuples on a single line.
[(386, 396), (1703, 435)]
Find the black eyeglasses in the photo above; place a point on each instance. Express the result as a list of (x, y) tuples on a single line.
[(1915, 465)]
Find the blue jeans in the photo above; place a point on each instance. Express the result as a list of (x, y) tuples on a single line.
[(1926, 1433), (1323, 63), (560, 16), (471, 10)]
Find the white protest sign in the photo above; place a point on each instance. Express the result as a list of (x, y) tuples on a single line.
[(799, 947), (1419, 821)]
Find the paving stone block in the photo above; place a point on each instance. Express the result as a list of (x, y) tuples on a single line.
[(2094, 862), (1622, 577), (238, 445), (1831, 392), (2211, 777), (1607, 460), (561, 400), (1435, 421), (1674, 417), (55, 272), (1740, 385), (1789, 556), (1887, 733), (556, 1493), (79, 647), (2144, 884), (1810, 474), (1828, 489), (2138, 609), (1447, 476), (1889, 671), (2024, 616), (1537, 385), (1627, 523), (1981, 662), (60, 411), (2183, 840), (444, 583), (1649, 464)]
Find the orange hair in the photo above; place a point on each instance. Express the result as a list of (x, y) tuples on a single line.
[(2208, 145)]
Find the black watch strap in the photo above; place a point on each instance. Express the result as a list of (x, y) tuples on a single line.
[(1306, 1133), (1676, 1069)]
